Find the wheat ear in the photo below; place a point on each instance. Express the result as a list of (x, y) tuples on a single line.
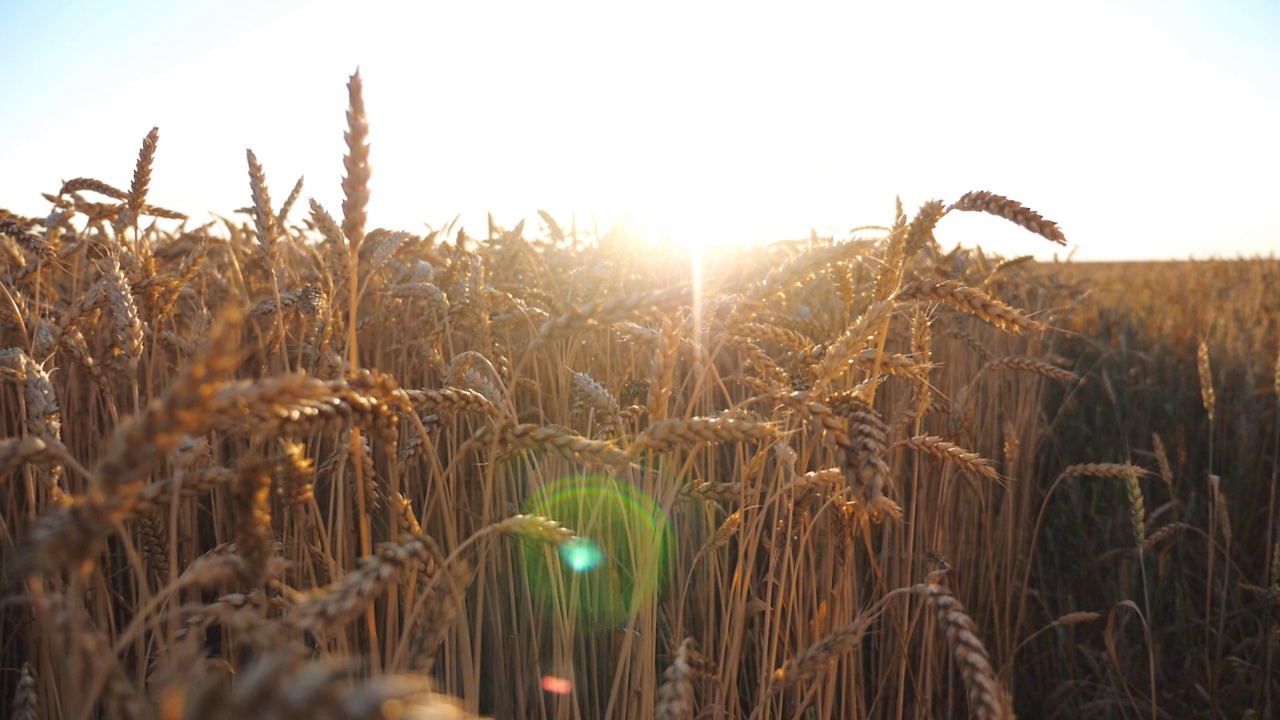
[(1162, 459), (675, 695), (1011, 210), (1031, 365), (355, 184), (1117, 471), (554, 440), (969, 300), (1207, 395), (263, 216), (816, 658), (16, 452), (252, 503), (606, 312), (287, 206), (346, 599), (142, 174), (92, 185), (439, 607), (26, 701), (667, 435), (1137, 509), (920, 232), (951, 452), (986, 699)]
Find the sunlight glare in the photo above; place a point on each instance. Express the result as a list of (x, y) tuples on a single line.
[(748, 125)]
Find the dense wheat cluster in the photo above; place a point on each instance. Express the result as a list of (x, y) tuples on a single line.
[(289, 466)]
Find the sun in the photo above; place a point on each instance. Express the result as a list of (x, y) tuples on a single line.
[(699, 233)]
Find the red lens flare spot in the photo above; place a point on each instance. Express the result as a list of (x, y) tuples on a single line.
[(556, 685)]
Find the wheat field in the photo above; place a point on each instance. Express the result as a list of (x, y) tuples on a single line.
[(283, 465)]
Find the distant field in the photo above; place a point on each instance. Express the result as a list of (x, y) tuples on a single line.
[(284, 465)]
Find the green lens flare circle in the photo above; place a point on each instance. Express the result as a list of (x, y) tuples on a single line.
[(615, 561), (581, 555)]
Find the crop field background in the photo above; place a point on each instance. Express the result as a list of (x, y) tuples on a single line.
[(284, 465)]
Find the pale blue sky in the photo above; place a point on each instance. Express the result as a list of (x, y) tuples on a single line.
[(1146, 128)]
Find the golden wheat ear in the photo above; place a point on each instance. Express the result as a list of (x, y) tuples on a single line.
[(345, 599), (355, 185), (263, 217), (142, 173), (1011, 210), (936, 446), (823, 654), (92, 185), (987, 699), (969, 300)]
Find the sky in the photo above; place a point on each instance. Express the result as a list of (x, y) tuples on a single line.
[(1148, 129)]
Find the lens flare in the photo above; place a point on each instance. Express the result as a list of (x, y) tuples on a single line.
[(581, 555), (616, 561), (557, 685)]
